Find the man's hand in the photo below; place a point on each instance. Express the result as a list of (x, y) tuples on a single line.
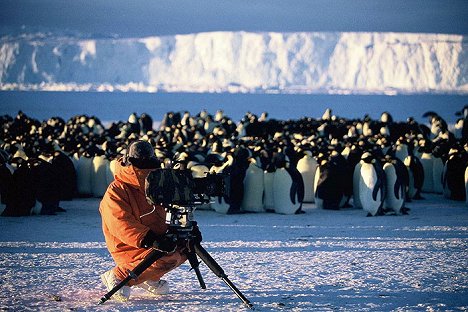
[(165, 244), (162, 243)]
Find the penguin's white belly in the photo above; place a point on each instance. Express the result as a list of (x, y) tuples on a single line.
[(253, 190), (391, 201), (281, 193), (83, 173), (307, 167), (99, 176), (466, 185), (268, 200), (366, 187), (427, 163)]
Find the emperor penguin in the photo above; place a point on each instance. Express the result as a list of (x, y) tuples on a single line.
[(371, 185), (396, 179), (401, 149), (427, 162), (21, 201), (466, 185), (6, 175), (67, 178), (438, 169), (84, 170), (268, 178), (356, 182), (253, 188), (454, 180), (99, 176), (288, 187), (352, 189), (110, 170), (221, 203), (329, 182), (416, 177), (307, 166)]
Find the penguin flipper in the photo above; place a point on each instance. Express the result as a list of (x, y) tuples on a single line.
[(292, 192), (396, 189), (375, 192)]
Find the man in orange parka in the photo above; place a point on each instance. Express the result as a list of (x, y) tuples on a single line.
[(131, 226)]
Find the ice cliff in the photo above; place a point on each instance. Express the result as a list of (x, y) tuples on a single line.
[(365, 63)]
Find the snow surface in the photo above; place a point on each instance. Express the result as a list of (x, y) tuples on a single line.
[(317, 261), (302, 62)]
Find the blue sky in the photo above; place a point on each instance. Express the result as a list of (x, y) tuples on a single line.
[(146, 17)]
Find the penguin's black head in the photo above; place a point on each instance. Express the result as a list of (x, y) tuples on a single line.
[(367, 157)]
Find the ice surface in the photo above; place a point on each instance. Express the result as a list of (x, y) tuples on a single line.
[(317, 261)]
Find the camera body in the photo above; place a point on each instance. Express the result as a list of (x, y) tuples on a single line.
[(177, 187)]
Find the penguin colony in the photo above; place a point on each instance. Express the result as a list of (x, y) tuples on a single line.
[(273, 165)]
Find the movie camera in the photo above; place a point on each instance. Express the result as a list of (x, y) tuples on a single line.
[(178, 187)]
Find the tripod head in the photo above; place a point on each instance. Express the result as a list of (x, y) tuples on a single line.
[(181, 221)]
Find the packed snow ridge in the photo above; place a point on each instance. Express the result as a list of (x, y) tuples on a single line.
[(330, 63)]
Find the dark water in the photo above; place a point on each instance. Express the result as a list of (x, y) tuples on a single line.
[(118, 106)]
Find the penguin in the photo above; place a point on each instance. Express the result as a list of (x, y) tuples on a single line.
[(427, 162), (454, 171), (221, 203), (437, 175), (84, 170), (45, 183), (329, 182), (252, 200), (353, 159), (21, 196), (371, 185), (146, 123), (110, 170), (307, 166), (439, 153), (288, 187), (396, 179), (237, 171), (401, 149), (416, 177), (466, 185), (268, 178), (99, 176), (356, 182), (6, 175), (67, 177), (347, 167)]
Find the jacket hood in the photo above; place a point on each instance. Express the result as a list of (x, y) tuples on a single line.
[(131, 175)]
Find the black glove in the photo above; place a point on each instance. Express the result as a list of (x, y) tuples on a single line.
[(196, 234), (162, 243)]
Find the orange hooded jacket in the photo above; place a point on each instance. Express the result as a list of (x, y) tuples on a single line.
[(126, 219)]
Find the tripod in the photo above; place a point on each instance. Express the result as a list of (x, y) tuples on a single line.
[(180, 220)]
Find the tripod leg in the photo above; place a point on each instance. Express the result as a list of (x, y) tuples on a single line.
[(192, 258), (140, 268), (219, 272)]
